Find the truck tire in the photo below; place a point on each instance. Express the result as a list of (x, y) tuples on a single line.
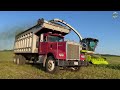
[(15, 59), (23, 60), (50, 65), (20, 60)]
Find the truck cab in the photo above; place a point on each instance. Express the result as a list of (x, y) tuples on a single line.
[(52, 43), (63, 53)]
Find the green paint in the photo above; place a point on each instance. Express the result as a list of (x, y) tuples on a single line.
[(96, 59)]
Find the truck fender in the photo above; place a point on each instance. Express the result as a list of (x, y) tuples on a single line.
[(45, 58), (44, 61)]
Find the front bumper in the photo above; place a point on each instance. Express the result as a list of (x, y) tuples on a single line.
[(72, 63)]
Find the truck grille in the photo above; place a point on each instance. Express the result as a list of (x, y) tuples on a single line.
[(73, 52)]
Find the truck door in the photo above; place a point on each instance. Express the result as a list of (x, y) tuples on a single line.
[(43, 44)]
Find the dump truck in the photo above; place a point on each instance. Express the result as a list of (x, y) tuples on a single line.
[(44, 43)]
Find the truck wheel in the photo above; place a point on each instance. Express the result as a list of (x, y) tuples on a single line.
[(50, 65), (20, 60), (15, 59), (23, 60)]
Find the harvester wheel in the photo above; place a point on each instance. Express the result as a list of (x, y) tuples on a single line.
[(50, 65), (90, 63), (86, 64)]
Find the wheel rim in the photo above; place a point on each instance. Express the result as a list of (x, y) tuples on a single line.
[(14, 60), (18, 60), (51, 65)]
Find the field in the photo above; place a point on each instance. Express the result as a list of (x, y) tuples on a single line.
[(9, 70)]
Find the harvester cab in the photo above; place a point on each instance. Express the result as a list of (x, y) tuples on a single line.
[(89, 44)]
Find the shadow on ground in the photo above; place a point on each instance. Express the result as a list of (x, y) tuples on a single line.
[(40, 66), (37, 65)]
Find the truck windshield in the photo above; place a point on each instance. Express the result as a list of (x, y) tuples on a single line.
[(55, 39)]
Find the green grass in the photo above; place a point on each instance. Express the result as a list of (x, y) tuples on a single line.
[(9, 70), (113, 59)]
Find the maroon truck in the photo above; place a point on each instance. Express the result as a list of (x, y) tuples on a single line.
[(44, 43)]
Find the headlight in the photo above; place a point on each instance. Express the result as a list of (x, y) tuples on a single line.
[(82, 56)]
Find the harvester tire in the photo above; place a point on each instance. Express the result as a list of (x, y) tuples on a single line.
[(86, 64), (50, 65)]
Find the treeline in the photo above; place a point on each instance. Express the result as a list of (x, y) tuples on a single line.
[(108, 55), (6, 50)]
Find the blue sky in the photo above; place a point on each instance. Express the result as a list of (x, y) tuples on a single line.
[(96, 24)]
